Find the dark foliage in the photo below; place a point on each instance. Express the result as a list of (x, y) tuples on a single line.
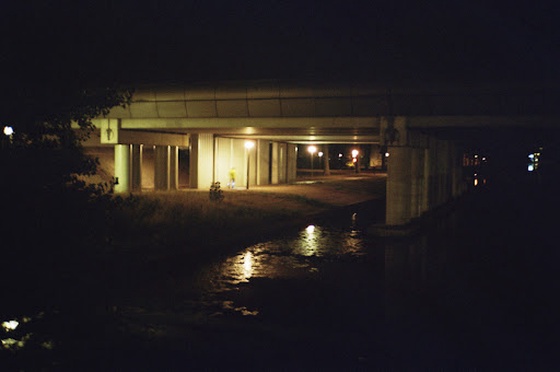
[(50, 216)]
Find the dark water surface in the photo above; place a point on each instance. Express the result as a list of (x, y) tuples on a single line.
[(475, 291)]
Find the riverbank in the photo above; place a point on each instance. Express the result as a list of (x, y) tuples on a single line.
[(157, 234), (186, 222)]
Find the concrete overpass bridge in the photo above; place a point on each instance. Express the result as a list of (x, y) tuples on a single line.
[(421, 126)]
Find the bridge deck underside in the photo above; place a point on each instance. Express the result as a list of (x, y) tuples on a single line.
[(343, 112)]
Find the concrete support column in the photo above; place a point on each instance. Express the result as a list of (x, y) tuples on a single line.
[(161, 168), (433, 175), (399, 186), (173, 167), (423, 173), (122, 168), (274, 167), (426, 181), (445, 164), (251, 162), (262, 164), (456, 172), (291, 163), (282, 163), (417, 181), (201, 160), (136, 168)]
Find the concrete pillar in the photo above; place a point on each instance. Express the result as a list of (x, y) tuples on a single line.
[(282, 163), (433, 175), (250, 160), (423, 173), (262, 164), (136, 168), (291, 163), (173, 167), (457, 172), (451, 159), (445, 172), (417, 181), (201, 160), (161, 168), (274, 166), (399, 186), (426, 181), (122, 168)]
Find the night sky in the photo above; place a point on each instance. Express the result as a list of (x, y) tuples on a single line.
[(181, 41)]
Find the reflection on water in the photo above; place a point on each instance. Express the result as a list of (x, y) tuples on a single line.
[(297, 256), (10, 325), (447, 297), (286, 257), (327, 285), (247, 265), (309, 242), (16, 334)]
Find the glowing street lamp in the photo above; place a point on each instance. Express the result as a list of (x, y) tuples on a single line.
[(355, 154), (248, 146), (8, 131), (312, 150)]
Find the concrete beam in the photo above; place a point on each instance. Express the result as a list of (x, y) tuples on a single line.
[(124, 136), (261, 122), (479, 121)]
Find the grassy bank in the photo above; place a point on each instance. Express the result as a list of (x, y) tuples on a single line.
[(188, 221)]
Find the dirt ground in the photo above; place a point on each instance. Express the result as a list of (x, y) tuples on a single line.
[(337, 189)]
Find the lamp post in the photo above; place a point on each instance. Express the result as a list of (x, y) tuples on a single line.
[(311, 150), (8, 132), (248, 146), (355, 159)]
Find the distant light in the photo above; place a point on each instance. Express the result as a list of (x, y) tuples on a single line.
[(8, 131), (340, 155), (310, 229), (476, 156), (10, 325), (530, 167), (531, 156), (475, 182), (355, 153), (320, 154), (249, 144), (312, 149), (386, 154)]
